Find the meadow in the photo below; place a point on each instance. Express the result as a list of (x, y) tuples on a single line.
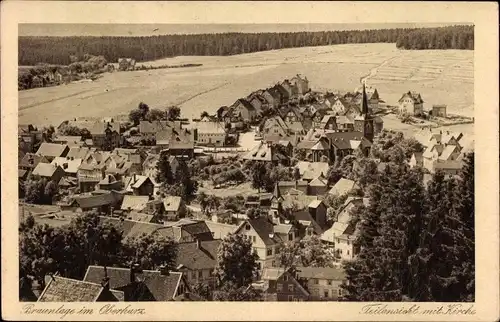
[(441, 76)]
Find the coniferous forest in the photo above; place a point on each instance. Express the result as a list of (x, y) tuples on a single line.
[(57, 50)]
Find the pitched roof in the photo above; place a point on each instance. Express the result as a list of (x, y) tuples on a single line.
[(32, 160), (219, 230), (417, 99), (202, 257), (342, 140), (134, 202), (45, 170), (104, 199), (447, 152), (131, 228), (52, 149), (264, 228), (172, 203), (330, 273), (315, 203), (448, 165), (322, 145), (304, 216), (301, 201), (312, 170), (78, 152), (162, 287), (157, 126), (264, 152), (273, 273), (99, 128), (319, 181), (61, 289), (72, 165), (343, 186), (245, 104), (21, 173)]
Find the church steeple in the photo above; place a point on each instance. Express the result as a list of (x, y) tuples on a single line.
[(277, 192), (364, 101)]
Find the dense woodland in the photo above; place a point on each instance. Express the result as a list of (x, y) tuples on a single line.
[(57, 50)]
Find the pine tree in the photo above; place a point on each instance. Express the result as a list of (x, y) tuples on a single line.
[(164, 171)]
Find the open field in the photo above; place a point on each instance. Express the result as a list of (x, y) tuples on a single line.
[(441, 76)]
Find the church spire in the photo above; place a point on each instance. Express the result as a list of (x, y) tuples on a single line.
[(277, 192), (364, 101)]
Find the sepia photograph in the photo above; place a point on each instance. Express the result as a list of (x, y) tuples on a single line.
[(324, 162), (297, 162)]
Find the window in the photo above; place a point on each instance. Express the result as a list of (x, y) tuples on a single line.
[(247, 227), (200, 274), (347, 242), (272, 284), (285, 278), (340, 292), (326, 293), (181, 289), (290, 298), (329, 282), (254, 239), (279, 287), (290, 287), (290, 236), (255, 250), (296, 299), (348, 252), (315, 281), (270, 252)]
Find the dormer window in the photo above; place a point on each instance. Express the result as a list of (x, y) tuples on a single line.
[(247, 227)]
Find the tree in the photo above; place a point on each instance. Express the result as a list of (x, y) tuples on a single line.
[(259, 174), (151, 252), (164, 171), (135, 116), (144, 108), (309, 252), (173, 113), (155, 115), (34, 191), (183, 178), (333, 175), (296, 174), (204, 114), (236, 261), (346, 165), (230, 292), (50, 191)]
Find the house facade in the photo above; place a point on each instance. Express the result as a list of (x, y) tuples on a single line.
[(411, 103), (323, 283)]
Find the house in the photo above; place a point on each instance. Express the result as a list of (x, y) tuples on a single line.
[(272, 97), (344, 123), (301, 84), (28, 137), (79, 152), (180, 149), (185, 231), (62, 289), (450, 167), (197, 260), (323, 283), (411, 103), (431, 154), (139, 185), (439, 110), (52, 150), (106, 135), (103, 203), (450, 153), (343, 186), (344, 214), (280, 284), (210, 134), (372, 96), (266, 153), (292, 114), (290, 88), (275, 126), (285, 95), (22, 175), (417, 160), (311, 170), (150, 129), (125, 64), (300, 185), (243, 110), (49, 171), (258, 102), (328, 122), (30, 161), (89, 175), (174, 208), (37, 81), (264, 241), (134, 203), (69, 165), (140, 285), (318, 186)]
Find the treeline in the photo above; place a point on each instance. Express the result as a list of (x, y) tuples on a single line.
[(456, 37), (54, 50)]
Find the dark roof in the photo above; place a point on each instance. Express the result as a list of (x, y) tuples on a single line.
[(264, 228), (99, 200), (61, 289), (25, 162), (161, 287), (341, 140), (131, 228), (245, 104), (204, 257), (157, 126)]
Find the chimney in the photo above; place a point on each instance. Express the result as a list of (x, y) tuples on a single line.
[(105, 280), (65, 165), (198, 243), (164, 270), (134, 269), (109, 178), (134, 178)]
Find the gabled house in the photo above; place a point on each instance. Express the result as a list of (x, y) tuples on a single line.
[(343, 186), (106, 135), (149, 165), (318, 186), (258, 102), (323, 283), (89, 175), (417, 160), (280, 284), (139, 185), (197, 261), (210, 133), (134, 203), (272, 97), (52, 150), (174, 208), (30, 161), (290, 88), (69, 165), (301, 84), (62, 289), (140, 285), (411, 103), (103, 203), (243, 110), (149, 129), (275, 126), (265, 152), (264, 241), (49, 171), (126, 64)]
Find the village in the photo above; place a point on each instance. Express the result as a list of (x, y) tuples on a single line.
[(280, 167)]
